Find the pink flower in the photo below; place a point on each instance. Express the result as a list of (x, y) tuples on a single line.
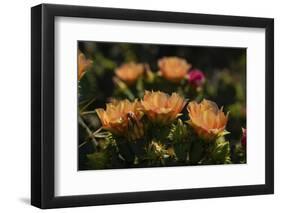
[(196, 77), (244, 138)]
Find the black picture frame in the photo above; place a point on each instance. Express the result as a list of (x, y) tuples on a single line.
[(43, 102)]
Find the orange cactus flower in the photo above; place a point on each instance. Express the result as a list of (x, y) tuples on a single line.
[(162, 108), (122, 118), (207, 119), (83, 65), (173, 69), (130, 72)]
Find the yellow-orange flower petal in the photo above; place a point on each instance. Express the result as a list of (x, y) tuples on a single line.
[(83, 65), (173, 68), (207, 119), (162, 108), (130, 72), (118, 117)]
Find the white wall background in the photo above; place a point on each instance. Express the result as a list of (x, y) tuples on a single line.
[(15, 105)]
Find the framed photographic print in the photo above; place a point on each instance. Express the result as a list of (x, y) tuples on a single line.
[(140, 106)]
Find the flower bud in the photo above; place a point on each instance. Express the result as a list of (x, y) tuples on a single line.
[(196, 78), (135, 127), (244, 138)]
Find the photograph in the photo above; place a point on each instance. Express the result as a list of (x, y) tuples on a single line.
[(160, 105), (139, 105)]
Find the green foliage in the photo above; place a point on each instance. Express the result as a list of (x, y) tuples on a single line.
[(196, 151), (179, 136), (239, 154), (125, 150), (220, 152), (179, 132), (97, 160)]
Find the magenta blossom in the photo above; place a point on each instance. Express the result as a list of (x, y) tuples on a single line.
[(244, 138), (196, 77)]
